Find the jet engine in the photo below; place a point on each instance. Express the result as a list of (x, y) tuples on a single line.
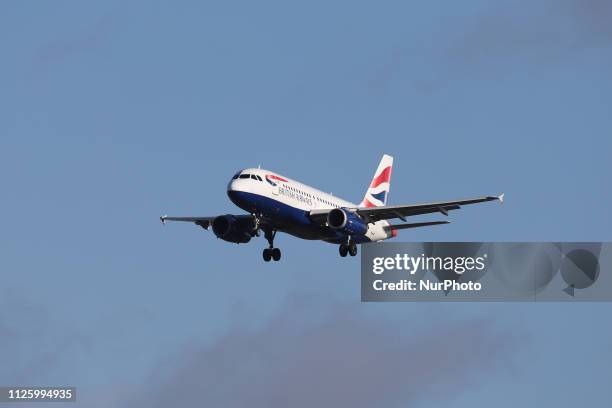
[(231, 229), (346, 221)]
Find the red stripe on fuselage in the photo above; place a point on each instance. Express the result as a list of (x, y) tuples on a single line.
[(383, 177), (273, 177)]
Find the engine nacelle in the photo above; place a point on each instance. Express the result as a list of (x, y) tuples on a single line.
[(348, 222), (231, 229)]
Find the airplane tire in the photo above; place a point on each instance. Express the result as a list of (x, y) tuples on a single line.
[(276, 254), (343, 249), (352, 249), (267, 255)]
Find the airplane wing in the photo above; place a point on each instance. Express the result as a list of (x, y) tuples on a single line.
[(206, 222), (373, 214), (203, 222)]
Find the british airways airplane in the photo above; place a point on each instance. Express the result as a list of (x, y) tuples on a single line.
[(277, 203)]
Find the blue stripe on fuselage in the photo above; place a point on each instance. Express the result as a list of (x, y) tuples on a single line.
[(288, 219)]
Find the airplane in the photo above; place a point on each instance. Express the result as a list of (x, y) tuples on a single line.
[(276, 203)]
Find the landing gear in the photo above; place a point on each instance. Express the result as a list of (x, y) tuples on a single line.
[(257, 222), (350, 248), (271, 252), (267, 255), (276, 254)]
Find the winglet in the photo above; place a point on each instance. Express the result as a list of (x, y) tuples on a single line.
[(501, 198), (163, 219)]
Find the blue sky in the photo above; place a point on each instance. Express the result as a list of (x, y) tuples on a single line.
[(112, 114)]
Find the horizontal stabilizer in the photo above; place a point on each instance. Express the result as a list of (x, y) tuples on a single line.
[(414, 225)]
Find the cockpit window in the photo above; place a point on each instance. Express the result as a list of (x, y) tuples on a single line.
[(246, 176)]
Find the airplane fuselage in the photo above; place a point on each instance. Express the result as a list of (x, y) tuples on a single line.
[(287, 203)]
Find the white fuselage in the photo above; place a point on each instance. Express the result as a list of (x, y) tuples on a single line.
[(288, 202)]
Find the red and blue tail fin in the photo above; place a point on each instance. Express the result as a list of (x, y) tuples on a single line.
[(378, 192)]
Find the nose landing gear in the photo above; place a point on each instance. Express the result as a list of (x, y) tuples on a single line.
[(271, 252)]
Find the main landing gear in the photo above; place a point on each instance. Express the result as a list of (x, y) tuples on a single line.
[(350, 248), (271, 252)]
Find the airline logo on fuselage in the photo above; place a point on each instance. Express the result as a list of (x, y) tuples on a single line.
[(272, 179)]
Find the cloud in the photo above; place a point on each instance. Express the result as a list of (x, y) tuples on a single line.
[(33, 344), (343, 359), (84, 40), (531, 35), (593, 19), (541, 30)]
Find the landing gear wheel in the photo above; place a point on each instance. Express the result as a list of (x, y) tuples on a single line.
[(267, 255), (276, 254), (352, 249), (343, 249), (271, 252)]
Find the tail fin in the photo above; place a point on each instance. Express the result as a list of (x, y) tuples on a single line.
[(378, 192)]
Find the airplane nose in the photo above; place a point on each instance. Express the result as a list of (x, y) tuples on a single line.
[(236, 193), (231, 189), (236, 185)]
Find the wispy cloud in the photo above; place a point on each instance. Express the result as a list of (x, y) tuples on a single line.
[(535, 33), (33, 345), (84, 40), (540, 30), (345, 359)]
